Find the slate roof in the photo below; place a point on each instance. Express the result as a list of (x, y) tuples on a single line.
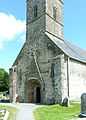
[(69, 49)]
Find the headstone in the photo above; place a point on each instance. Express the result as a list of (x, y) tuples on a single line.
[(83, 105), (65, 102)]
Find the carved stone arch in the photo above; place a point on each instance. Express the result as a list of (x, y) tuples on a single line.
[(34, 90)]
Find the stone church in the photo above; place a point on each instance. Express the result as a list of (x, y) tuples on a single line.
[(48, 68)]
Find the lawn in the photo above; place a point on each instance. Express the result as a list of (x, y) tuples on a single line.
[(57, 112), (11, 110)]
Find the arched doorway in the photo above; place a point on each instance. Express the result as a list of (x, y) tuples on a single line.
[(34, 91)]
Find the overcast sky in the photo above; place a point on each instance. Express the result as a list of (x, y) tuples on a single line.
[(12, 27)]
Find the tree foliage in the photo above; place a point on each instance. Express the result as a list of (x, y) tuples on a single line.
[(4, 80)]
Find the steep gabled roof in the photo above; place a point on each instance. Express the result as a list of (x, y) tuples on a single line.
[(69, 49)]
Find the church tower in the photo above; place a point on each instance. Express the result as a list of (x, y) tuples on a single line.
[(44, 15)]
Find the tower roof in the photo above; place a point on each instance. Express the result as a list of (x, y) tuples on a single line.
[(69, 49)]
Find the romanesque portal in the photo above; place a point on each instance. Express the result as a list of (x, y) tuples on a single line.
[(34, 91)]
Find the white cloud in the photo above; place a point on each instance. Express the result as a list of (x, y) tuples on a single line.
[(10, 27)]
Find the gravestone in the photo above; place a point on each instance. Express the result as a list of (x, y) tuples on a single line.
[(65, 102), (2, 114), (83, 105)]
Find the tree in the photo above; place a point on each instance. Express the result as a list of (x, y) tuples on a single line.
[(4, 80)]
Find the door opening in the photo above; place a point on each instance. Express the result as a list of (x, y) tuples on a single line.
[(38, 96)]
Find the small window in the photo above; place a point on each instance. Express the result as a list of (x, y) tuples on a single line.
[(20, 75), (35, 10), (54, 12), (15, 69)]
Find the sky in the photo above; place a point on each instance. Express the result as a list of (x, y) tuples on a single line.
[(13, 29)]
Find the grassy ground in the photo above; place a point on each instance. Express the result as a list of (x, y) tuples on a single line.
[(11, 111), (57, 112)]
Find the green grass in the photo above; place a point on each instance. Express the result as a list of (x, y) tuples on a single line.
[(11, 110), (57, 112)]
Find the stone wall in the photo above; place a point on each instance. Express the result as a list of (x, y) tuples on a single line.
[(54, 26), (26, 69), (77, 79)]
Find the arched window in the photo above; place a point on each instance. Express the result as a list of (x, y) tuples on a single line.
[(35, 11)]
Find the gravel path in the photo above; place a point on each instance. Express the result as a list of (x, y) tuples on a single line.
[(26, 111)]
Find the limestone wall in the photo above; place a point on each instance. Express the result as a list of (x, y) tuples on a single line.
[(77, 79), (54, 25), (45, 51)]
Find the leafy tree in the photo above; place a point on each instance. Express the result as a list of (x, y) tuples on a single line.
[(4, 80)]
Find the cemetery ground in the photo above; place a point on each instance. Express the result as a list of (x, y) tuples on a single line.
[(23, 111), (57, 112)]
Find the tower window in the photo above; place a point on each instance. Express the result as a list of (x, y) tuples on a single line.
[(54, 12), (35, 10)]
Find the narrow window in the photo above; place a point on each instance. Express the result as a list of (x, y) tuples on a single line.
[(52, 70), (20, 74), (35, 10), (54, 12)]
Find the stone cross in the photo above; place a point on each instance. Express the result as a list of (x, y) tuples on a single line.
[(83, 105)]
